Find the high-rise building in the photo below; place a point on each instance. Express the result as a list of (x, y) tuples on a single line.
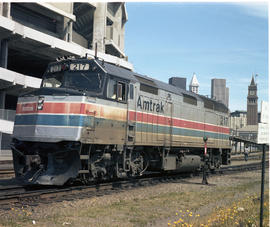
[(35, 33), (194, 84), (252, 104), (219, 91), (178, 82)]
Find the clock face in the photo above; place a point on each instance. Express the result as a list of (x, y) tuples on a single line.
[(252, 92)]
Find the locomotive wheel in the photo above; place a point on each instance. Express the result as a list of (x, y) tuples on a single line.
[(138, 164)]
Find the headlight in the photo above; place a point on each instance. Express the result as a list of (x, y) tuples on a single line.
[(40, 103)]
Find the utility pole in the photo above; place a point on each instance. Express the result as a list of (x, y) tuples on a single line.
[(262, 185)]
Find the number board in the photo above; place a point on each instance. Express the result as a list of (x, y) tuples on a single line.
[(79, 66), (55, 68), (72, 67)]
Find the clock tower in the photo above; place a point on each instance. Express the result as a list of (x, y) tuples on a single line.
[(252, 104)]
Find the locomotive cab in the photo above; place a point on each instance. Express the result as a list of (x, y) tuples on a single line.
[(50, 121)]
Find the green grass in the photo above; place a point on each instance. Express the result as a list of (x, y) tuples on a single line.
[(142, 210)]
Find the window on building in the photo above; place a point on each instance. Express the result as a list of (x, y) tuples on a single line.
[(32, 18)]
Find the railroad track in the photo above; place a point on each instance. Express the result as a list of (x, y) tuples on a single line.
[(6, 171), (252, 156), (18, 196)]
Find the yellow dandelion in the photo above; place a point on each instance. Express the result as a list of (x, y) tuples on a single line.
[(197, 215), (187, 210), (176, 213), (169, 223)]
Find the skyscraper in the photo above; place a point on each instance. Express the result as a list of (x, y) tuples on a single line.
[(219, 91), (252, 104)]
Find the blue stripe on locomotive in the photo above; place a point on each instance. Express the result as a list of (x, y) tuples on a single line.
[(88, 121), (54, 120)]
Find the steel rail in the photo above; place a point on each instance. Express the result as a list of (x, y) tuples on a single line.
[(34, 196)]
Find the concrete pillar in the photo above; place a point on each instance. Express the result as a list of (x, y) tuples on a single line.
[(3, 63), (6, 10), (2, 106), (99, 26), (122, 29), (4, 53), (70, 25), (2, 99), (66, 29), (1, 144)]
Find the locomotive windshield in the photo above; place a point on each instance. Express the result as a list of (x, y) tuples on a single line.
[(84, 80)]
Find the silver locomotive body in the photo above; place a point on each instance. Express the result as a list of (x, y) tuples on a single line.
[(93, 120)]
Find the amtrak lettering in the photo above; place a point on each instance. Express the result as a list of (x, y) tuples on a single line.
[(150, 105)]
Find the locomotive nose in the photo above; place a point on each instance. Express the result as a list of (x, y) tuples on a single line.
[(40, 117)]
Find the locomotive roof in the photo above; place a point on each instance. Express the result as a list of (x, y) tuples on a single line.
[(132, 76), (143, 79)]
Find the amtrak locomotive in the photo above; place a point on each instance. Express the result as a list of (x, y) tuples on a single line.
[(92, 120)]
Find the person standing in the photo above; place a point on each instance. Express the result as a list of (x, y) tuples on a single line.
[(246, 153)]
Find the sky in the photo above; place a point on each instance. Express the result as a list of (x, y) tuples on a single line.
[(213, 40)]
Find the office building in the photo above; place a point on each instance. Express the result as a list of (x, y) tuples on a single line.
[(219, 91), (178, 82)]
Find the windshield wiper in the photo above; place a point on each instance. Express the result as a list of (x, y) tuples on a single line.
[(76, 88)]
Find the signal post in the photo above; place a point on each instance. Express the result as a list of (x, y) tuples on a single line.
[(204, 180)]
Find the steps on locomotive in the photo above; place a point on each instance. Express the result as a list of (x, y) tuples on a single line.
[(84, 157)]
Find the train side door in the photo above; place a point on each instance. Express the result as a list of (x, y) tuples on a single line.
[(221, 123), (131, 114), (168, 123), (210, 118)]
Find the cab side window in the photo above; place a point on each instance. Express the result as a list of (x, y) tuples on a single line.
[(121, 91), (111, 92), (131, 91), (117, 90)]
